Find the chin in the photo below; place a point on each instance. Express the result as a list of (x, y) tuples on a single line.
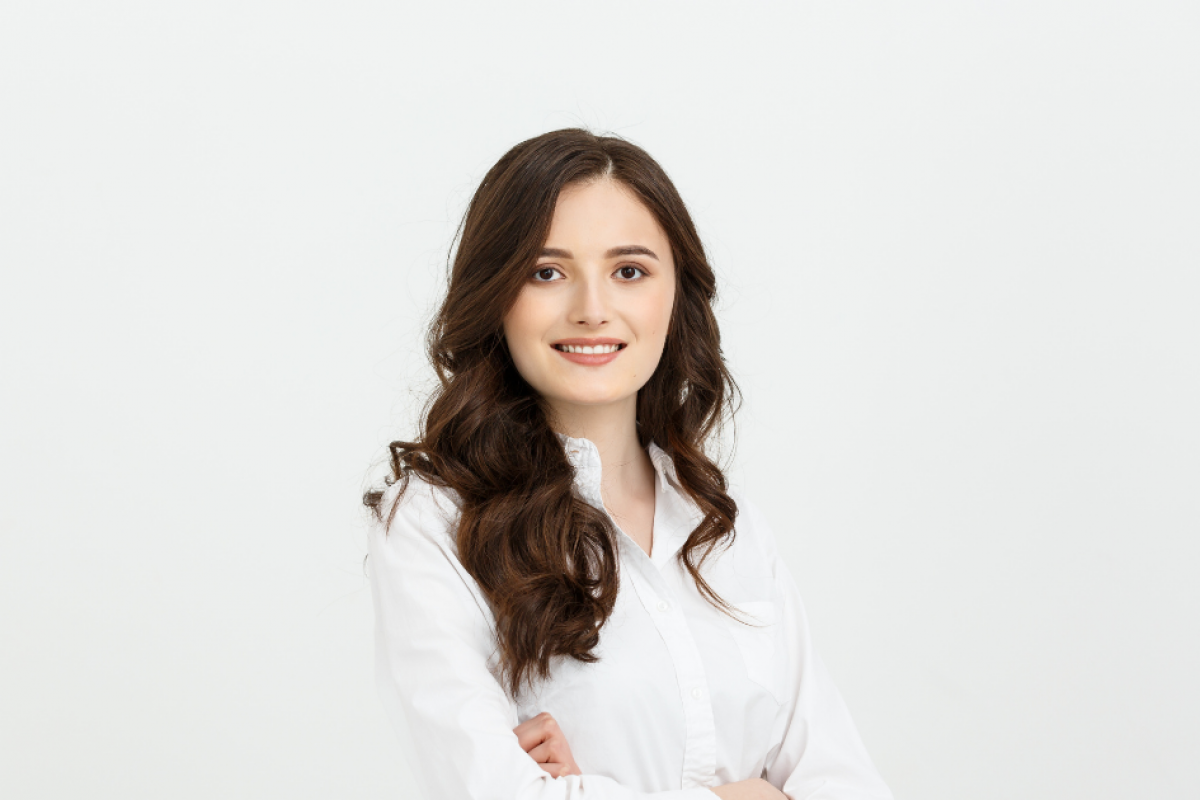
[(591, 398)]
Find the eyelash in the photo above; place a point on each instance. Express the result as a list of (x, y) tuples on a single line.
[(622, 267)]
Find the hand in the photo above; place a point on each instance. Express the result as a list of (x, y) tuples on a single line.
[(753, 789), (546, 744)]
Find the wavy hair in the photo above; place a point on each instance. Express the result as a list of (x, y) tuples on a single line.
[(545, 559)]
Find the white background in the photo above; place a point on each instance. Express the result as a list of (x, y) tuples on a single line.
[(958, 252)]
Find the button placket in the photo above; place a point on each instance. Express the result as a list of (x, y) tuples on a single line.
[(700, 744), (699, 758)]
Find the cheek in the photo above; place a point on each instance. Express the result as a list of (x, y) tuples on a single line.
[(518, 321), (656, 313), (522, 329)]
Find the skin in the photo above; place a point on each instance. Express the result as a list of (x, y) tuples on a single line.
[(592, 293), (580, 289)]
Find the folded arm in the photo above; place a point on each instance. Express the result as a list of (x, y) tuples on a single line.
[(433, 646)]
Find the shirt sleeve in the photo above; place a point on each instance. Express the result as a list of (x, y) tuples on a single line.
[(821, 755), (434, 641)]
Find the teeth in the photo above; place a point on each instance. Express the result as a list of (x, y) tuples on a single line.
[(588, 350)]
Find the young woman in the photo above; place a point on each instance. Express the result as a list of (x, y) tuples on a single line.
[(569, 601)]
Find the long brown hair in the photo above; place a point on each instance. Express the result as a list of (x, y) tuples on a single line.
[(545, 559)]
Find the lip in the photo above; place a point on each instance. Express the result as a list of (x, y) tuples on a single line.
[(589, 359), (589, 342)]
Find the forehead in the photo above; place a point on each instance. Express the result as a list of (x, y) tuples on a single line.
[(601, 214)]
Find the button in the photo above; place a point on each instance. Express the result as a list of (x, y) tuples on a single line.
[(663, 605), (696, 693)]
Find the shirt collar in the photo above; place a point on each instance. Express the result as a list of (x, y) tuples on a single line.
[(585, 458), (675, 515)]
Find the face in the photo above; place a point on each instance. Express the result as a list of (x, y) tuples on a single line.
[(589, 326)]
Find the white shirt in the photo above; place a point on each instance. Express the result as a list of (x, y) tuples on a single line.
[(682, 697)]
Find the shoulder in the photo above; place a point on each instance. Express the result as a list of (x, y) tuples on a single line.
[(416, 507), (411, 541), (751, 525), (413, 563)]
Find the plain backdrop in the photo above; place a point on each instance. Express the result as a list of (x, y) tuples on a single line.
[(958, 247)]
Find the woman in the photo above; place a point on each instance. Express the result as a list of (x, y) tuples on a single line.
[(569, 601)]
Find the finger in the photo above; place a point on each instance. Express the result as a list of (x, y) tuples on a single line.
[(550, 753), (532, 737), (555, 769), (543, 753), (534, 731), (552, 750)]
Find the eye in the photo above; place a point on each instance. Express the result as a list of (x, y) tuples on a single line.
[(545, 274), (629, 272)]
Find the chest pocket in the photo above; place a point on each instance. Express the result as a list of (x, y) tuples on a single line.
[(761, 645)]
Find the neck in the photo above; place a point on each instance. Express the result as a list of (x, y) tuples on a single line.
[(625, 464)]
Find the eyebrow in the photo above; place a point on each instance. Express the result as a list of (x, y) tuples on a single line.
[(625, 250)]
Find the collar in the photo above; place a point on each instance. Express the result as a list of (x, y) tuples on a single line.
[(675, 515), (585, 458)]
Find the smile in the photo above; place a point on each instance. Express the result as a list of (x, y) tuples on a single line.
[(590, 352), (599, 349)]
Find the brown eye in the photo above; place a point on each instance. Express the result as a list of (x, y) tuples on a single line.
[(544, 274), (630, 273)]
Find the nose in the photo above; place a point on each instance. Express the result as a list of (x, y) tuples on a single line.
[(590, 304)]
